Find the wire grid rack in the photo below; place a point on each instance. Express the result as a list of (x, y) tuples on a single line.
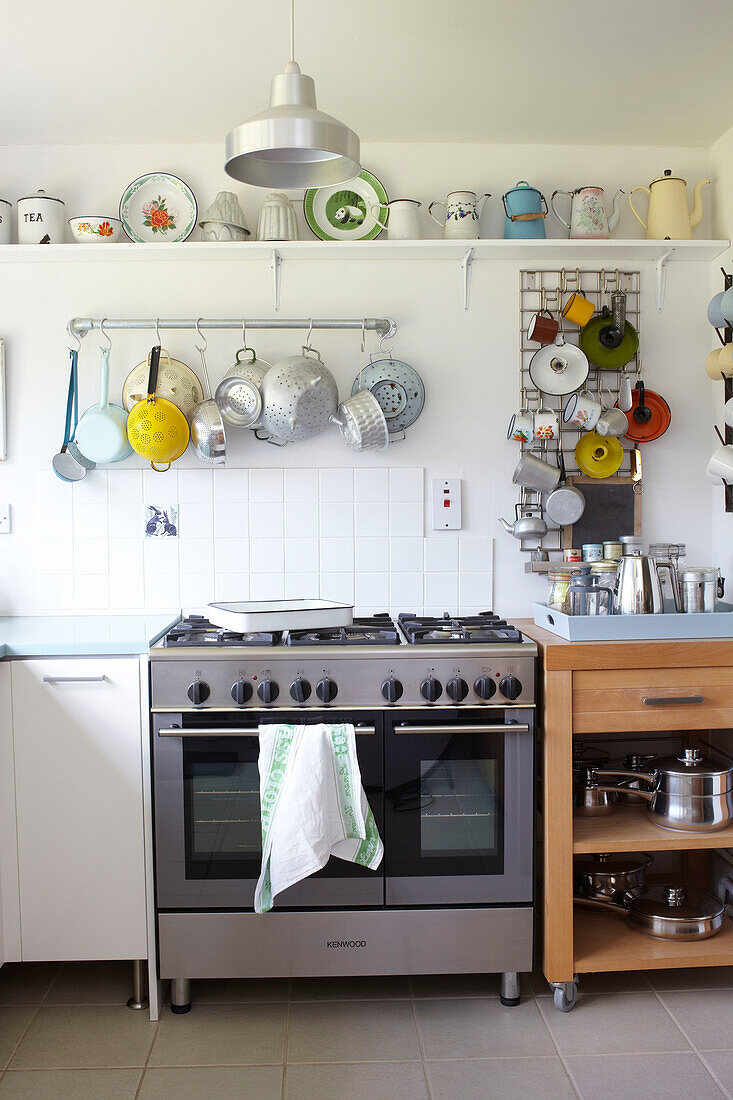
[(550, 290)]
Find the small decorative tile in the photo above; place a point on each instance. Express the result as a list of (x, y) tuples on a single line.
[(371, 519), (231, 555), (406, 518), (336, 520), (301, 556), (336, 486), (301, 519), (406, 485), (441, 553), (267, 556), (266, 486), (371, 485), (337, 556), (406, 554), (195, 486), (232, 520), (161, 521), (371, 555), (266, 521), (301, 486)]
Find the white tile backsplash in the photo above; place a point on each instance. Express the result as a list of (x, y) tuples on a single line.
[(476, 554), (336, 520), (125, 487), (90, 521), (161, 485), (337, 556), (231, 520), (91, 490), (266, 586), (406, 554), (441, 554), (406, 519), (441, 590), (301, 486), (91, 593), (196, 589), (337, 586), (371, 555), (371, 519), (301, 519), (406, 592), (126, 556), (54, 521), (126, 590), (266, 486), (371, 485), (231, 486), (55, 557), (266, 521), (406, 484), (302, 586), (267, 555), (475, 590), (195, 521), (301, 556), (336, 486), (231, 556), (126, 521), (194, 487), (371, 592), (196, 556), (231, 586), (161, 556), (91, 556)]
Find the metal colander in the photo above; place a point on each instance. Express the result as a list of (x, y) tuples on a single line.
[(177, 383), (299, 397), (238, 395), (208, 434)]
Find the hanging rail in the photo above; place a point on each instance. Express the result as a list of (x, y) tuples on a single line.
[(384, 326)]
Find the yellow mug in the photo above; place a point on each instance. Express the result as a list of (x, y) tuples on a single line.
[(578, 309), (720, 363)]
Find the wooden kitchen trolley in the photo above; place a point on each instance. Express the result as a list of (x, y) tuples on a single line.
[(594, 688)]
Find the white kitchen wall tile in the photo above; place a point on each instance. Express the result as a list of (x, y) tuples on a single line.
[(371, 485), (162, 591), (126, 521), (336, 486), (371, 555), (476, 554), (301, 556), (371, 592), (266, 521), (406, 592), (50, 489), (91, 556), (92, 489), (301, 486), (231, 555), (371, 519), (196, 556), (231, 520), (54, 521), (90, 521), (126, 556), (266, 486), (475, 589), (194, 487), (406, 484), (441, 554), (161, 557), (125, 486), (301, 519), (195, 521), (302, 586), (406, 519), (91, 593), (406, 555), (266, 586), (161, 485), (231, 586), (55, 593), (126, 590), (441, 590), (267, 555), (336, 520), (55, 556), (231, 486), (338, 587), (337, 556), (197, 589)]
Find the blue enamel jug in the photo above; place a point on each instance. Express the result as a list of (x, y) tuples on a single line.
[(525, 209)]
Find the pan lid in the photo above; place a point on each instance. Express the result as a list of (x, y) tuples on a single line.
[(605, 863), (691, 762), (674, 903)]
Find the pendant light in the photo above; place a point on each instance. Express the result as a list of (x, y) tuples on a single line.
[(292, 144)]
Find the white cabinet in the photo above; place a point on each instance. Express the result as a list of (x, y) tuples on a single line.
[(78, 778), (9, 901)]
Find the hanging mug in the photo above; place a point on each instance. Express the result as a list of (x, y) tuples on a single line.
[(402, 220), (582, 410), (578, 309), (546, 424), (543, 328), (461, 213), (521, 427)]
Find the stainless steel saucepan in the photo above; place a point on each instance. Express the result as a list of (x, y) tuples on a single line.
[(609, 877), (667, 912)]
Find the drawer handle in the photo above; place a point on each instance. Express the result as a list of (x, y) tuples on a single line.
[(674, 701), (176, 731), (74, 679)]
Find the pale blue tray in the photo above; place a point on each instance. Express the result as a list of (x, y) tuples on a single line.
[(627, 628)]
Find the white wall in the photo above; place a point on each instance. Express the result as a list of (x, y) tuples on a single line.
[(468, 361)]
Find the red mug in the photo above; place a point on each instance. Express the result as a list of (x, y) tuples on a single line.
[(543, 328)]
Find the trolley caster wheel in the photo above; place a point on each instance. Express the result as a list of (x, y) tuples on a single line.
[(565, 996)]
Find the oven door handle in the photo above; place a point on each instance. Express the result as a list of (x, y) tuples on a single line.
[(175, 731), (508, 727)]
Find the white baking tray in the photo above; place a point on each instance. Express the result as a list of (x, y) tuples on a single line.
[(626, 628), (245, 616)]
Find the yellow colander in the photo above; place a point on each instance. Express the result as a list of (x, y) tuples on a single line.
[(156, 428)]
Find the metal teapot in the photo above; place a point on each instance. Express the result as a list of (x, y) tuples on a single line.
[(638, 586), (669, 217), (588, 217), (525, 527), (525, 210)]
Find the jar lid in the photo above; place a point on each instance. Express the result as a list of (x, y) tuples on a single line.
[(605, 565), (700, 573), (41, 195)]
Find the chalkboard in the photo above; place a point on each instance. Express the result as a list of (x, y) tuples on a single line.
[(612, 509)]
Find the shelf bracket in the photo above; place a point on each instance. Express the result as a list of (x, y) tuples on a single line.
[(276, 262), (660, 274), (466, 265)]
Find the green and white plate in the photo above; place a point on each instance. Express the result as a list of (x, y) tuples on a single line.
[(343, 213), (158, 207)]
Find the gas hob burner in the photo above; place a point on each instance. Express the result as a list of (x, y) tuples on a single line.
[(457, 630), (195, 630), (365, 630)]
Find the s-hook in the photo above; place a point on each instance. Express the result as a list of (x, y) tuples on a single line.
[(104, 332), (73, 335)]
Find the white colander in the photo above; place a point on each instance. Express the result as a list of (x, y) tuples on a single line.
[(177, 383)]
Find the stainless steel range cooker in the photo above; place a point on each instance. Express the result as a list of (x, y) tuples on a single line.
[(444, 711)]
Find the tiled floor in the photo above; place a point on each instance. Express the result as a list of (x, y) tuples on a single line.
[(66, 1034)]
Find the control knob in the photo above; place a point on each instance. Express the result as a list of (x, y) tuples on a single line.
[(198, 692), (484, 687), (300, 690), (268, 691), (511, 687), (241, 692), (431, 689), (457, 689), (392, 690), (326, 690)]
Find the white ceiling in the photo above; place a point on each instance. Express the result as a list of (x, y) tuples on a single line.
[(635, 72)]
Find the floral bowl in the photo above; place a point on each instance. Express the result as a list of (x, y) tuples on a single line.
[(94, 230)]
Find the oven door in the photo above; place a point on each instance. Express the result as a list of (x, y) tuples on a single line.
[(207, 813), (459, 805)]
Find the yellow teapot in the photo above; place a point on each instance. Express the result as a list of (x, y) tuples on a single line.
[(669, 217)]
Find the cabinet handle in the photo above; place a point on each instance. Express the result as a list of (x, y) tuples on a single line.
[(509, 727), (674, 701), (74, 679), (175, 731)]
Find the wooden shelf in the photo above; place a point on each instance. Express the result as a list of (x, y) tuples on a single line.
[(606, 942), (631, 829)]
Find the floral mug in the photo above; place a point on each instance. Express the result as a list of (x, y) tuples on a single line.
[(546, 424), (461, 213)]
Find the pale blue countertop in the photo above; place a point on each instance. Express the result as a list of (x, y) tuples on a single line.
[(81, 635)]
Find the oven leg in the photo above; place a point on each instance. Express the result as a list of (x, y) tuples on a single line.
[(139, 997), (180, 996), (509, 993)]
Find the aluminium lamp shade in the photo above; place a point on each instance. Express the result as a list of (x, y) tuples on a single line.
[(292, 144)]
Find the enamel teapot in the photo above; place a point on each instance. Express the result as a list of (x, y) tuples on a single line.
[(588, 219), (669, 217), (525, 210)]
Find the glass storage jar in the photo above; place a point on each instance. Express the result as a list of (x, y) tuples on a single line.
[(559, 579)]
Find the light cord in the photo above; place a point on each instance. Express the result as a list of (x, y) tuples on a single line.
[(292, 30)]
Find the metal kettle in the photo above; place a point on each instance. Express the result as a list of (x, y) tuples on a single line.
[(669, 216), (638, 586), (525, 527)]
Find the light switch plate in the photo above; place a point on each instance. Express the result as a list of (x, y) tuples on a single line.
[(447, 504), (4, 519)]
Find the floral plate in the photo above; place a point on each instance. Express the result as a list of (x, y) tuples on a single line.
[(343, 212), (158, 207)]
